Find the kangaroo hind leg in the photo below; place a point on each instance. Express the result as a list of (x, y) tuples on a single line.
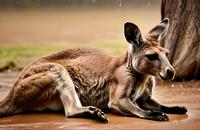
[(70, 100), (45, 86), (7, 106)]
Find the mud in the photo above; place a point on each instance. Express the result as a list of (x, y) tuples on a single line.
[(173, 93)]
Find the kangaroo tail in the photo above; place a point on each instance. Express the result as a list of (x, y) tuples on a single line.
[(7, 106)]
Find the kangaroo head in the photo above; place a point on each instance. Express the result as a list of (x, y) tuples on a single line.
[(146, 55)]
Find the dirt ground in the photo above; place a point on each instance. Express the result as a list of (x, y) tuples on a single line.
[(72, 25), (170, 93)]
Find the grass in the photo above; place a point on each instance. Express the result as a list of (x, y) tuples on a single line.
[(21, 54)]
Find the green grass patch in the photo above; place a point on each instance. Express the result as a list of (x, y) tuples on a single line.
[(17, 56)]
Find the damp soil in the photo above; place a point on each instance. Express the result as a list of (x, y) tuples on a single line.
[(169, 93)]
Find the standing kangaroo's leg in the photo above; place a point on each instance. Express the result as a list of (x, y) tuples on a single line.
[(146, 102)]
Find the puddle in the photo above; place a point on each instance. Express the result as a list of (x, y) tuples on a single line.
[(182, 93)]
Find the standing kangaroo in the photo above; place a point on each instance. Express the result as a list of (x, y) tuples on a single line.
[(83, 82)]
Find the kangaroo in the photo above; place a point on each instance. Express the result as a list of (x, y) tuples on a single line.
[(86, 82)]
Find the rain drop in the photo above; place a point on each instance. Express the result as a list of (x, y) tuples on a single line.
[(120, 3), (148, 3)]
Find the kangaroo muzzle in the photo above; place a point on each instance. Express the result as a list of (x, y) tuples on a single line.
[(167, 74)]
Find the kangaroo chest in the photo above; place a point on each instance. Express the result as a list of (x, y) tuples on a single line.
[(138, 91), (131, 84)]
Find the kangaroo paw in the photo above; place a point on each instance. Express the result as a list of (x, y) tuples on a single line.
[(158, 116), (98, 114)]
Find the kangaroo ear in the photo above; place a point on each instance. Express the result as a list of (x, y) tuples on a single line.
[(159, 31), (132, 33)]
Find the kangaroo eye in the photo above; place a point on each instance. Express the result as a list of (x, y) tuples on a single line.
[(152, 57), (167, 53)]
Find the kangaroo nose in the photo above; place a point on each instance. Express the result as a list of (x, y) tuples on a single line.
[(170, 73)]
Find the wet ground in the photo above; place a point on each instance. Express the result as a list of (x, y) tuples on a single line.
[(174, 93)]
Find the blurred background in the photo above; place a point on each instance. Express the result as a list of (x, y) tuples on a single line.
[(30, 29)]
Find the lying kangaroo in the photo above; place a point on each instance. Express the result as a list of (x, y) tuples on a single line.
[(83, 82)]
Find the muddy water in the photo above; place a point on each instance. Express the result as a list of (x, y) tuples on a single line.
[(175, 93)]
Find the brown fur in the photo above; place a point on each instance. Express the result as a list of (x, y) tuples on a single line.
[(83, 81)]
